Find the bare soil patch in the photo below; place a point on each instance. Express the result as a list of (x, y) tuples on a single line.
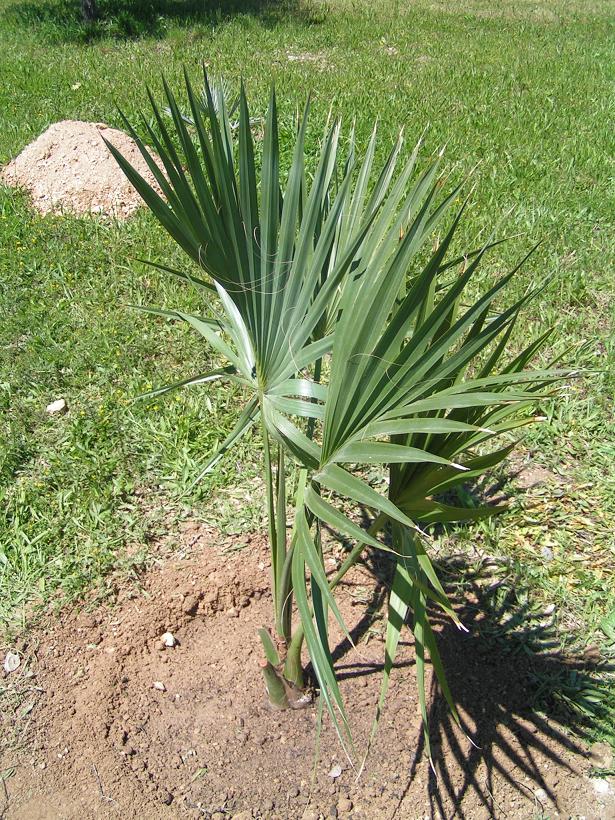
[(530, 475), (69, 169), (114, 724)]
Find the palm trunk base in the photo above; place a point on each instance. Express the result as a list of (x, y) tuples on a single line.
[(274, 684), (283, 693)]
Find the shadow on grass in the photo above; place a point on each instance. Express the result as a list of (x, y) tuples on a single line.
[(128, 19), (521, 699)]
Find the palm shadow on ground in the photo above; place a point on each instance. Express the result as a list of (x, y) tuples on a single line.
[(129, 19), (511, 683), (522, 700)]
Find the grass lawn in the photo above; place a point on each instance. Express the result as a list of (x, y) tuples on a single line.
[(522, 90)]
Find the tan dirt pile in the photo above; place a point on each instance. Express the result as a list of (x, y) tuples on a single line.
[(69, 169)]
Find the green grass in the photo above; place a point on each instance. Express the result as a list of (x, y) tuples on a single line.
[(523, 90)]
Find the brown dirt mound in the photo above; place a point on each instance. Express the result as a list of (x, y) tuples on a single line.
[(115, 725), (69, 169)]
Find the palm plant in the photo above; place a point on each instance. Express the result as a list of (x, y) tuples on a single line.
[(355, 344)]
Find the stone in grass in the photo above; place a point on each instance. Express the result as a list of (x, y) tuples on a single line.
[(11, 662), (601, 785), (601, 755), (58, 406)]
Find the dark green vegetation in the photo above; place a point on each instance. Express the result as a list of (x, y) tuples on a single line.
[(524, 92)]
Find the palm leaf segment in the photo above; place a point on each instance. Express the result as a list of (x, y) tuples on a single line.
[(414, 381)]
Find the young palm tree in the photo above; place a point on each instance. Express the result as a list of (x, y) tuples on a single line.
[(355, 344)]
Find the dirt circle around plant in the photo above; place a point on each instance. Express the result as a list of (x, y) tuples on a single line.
[(113, 723)]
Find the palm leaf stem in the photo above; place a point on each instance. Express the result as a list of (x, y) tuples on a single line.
[(293, 655), (276, 544), (284, 603), (280, 526)]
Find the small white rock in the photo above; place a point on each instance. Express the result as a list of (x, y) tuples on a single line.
[(540, 795), (335, 771), (159, 685), (11, 662), (58, 406), (601, 785), (168, 639)]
